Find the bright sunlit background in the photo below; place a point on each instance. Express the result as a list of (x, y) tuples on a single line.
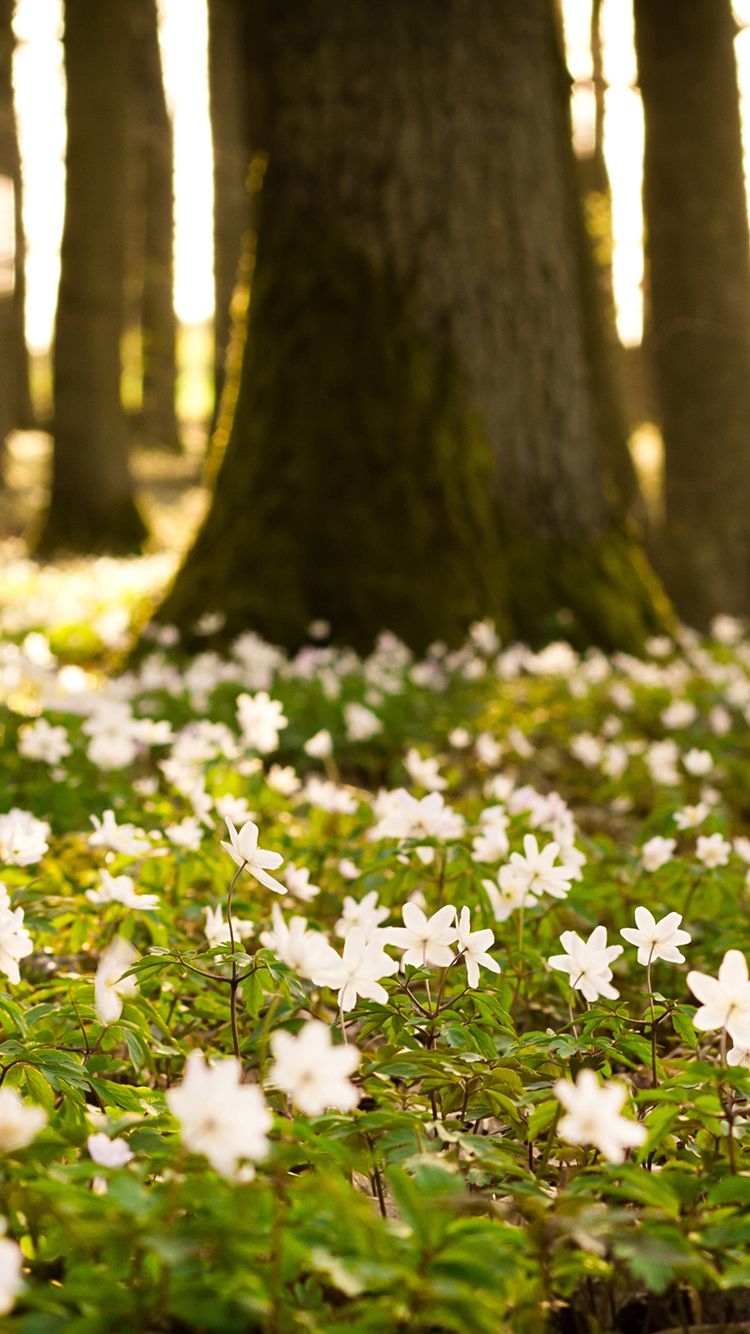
[(40, 99)]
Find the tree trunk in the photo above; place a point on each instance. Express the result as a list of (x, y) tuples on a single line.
[(15, 398), (92, 503), (154, 216), (230, 131), (697, 252), (424, 429)]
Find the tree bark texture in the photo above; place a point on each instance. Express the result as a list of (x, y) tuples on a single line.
[(15, 397), (699, 271), (152, 222), (419, 434), (92, 500), (228, 24)]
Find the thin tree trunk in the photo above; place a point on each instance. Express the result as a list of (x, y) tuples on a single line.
[(152, 135), (425, 428), (230, 131), (15, 398), (699, 334), (92, 502)]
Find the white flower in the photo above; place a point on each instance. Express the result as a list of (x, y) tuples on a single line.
[(217, 930), (507, 894), (712, 850), (243, 849), (20, 1121), (657, 852), (472, 948), (593, 1116), (40, 741), (319, 746), (235, 807), (125, 838), (357, 971), (109, 984), (107, 1152), (121, 889), (424, 772), (15, 941), (219, 1116), (538, 869), (11, 1274), (260, 719), (187, 833), (296, 945), (313, 1071), (361, 722), (366, 913), (283, 779), (425, 940), (297, 880), (742, 848), (698, 762), (328, 796), (725, 1001), (23, 839), (691, 816), (739, 1056), (348, 870), (587, 963), (656, 940)]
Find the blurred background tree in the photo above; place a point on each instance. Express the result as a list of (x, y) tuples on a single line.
[(427, 424), (15, 397)]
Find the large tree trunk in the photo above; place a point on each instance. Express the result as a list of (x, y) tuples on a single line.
[(424, 429), (92, 503), (154, 219), (15, 399), (230, 133), (697, 251)]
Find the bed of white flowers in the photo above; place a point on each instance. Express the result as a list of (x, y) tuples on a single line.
[(375, 994)]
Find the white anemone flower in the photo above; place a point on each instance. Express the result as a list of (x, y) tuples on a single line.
[(725, 1000), (110, 986), (593, 1116), (657, 940), (219, 1116), (314, 1072), (243, 849)]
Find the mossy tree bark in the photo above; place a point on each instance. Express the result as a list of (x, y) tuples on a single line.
[(15, 397), (699, 335), (152, 221), (425, 430), (228, 23), (92, 505)]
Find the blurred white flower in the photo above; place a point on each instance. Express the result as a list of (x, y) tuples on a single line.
[(593, 1116), (23, 838), (11, 1274), (107, 1152), (657, 852), (365, 913), (297, 880), (423, 771), (698, 762), (121, 889), (691, 816), (283, 779), (312, 1071), (219, 1117), (319, 746), (328, 796), (261, 719), (110, 986), (20, 1121), (296, 945), (125, 838), (15, 941), (712, 850), (361, 723), (41, 741)]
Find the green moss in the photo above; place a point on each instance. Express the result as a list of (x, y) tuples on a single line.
[(602, 592)]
